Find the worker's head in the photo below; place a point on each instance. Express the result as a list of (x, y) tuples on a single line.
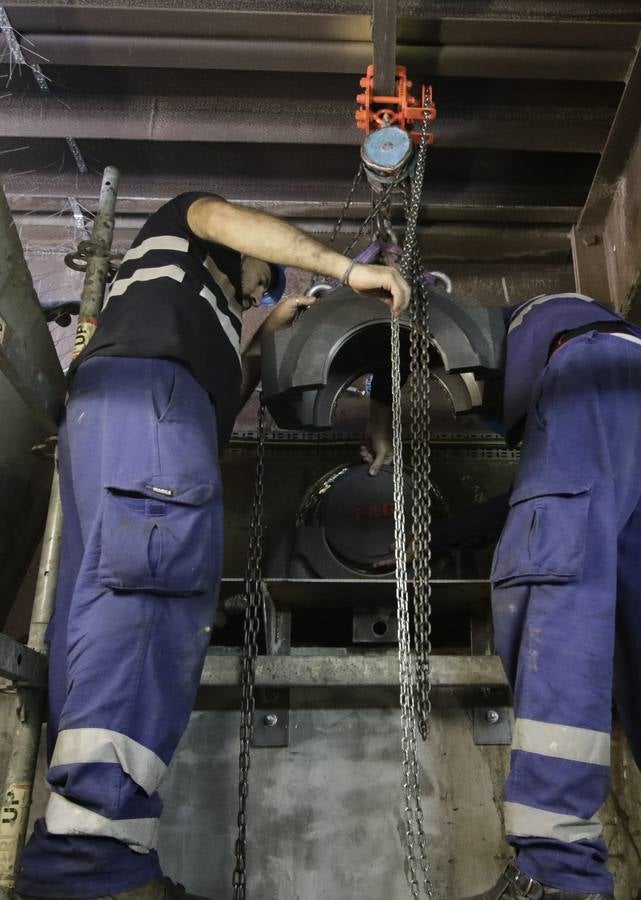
[(262, 282)]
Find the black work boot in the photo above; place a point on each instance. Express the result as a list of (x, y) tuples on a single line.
[(165, 889), (514, 885)]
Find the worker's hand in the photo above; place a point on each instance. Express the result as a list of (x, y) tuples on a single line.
[(377, 447), (395, 291), (284, 313), (390, 560)]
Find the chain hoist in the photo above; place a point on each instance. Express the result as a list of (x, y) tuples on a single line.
[(378, 213), (414, 669), (254, 600)]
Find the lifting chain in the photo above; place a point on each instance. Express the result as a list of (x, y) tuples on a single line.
[(414, 669), (254, 600), (380, 212), (421, 477)]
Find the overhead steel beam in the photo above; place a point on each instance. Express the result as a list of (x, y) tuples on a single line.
[(621, 138), (346, 57), (607, 239), (277, 121), (31, 209), (590, 11), (384, 40), (622, 238), (40, 192), (595, 11), (326, 29), (460, 243)]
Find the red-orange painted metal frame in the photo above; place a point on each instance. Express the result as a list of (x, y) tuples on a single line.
[(402, 110)]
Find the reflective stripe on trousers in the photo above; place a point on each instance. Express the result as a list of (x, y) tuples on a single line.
[(562, 572)]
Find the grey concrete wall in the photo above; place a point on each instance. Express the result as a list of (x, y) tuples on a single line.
[(325, 812)]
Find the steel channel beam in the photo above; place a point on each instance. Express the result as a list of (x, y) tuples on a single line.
[(39, 193), (622, 239), (384, 40), (262, 121), (453, 242), (357, 670), (624, 132), (592, 11), (36, 225), (335, 28), (550, 63), (606, 240)]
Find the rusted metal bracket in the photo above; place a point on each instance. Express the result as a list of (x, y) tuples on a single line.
[(271, 714)]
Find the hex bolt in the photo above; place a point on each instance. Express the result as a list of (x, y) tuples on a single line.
[(270, 720), (492, 717)]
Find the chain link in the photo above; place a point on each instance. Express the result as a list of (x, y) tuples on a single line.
[(421, 476), (254, 597), (381, 208), (414, 671), (348, 202)]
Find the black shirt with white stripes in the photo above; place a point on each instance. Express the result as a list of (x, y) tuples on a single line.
[(177, 297)]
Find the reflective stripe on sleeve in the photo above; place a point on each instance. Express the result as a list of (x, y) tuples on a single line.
[(226, 287), (625, 337), (64, 817), (162, 242), (528, 821), (562, 742), (537, 301), (121, 285), (75, 746), (223, 318)]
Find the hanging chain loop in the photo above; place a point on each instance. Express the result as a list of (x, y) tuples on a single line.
[(254, 598)]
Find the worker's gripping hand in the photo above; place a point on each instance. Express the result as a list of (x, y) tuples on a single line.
[(395, 291), (285, 312), (376, 450)]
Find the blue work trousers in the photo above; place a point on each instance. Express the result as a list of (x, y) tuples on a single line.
[(138, 584), (567, 605)]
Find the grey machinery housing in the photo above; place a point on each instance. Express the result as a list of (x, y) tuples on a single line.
[(345, 335)]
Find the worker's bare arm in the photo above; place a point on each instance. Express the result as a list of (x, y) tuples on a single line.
[(258, 234)]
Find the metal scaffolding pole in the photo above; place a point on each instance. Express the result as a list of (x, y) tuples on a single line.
[(97, 253), (29, 706), (30, 700)]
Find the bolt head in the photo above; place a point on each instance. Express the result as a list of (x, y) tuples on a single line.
[(270, 720), (492, 717)]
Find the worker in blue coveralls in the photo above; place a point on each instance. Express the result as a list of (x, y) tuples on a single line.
[(152, 403), (566, 592)]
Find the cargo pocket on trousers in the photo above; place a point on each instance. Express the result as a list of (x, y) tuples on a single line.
[(158, 537), (544, 538)]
